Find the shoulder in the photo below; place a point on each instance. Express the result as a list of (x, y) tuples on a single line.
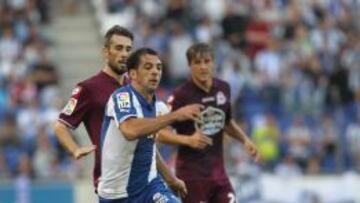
[(182, 89), (91, 82), (87, 86), (122, 94), (179, 92), (122, 89), (221, 84), (121, 99)]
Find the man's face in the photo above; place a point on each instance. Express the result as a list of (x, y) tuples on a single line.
[(202, 66), (148, 74), (117, 53)]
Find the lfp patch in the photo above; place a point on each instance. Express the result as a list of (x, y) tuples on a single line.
[(70, 106), (123, 100), (76, 90)]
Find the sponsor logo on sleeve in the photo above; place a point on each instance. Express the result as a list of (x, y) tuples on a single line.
[(123, 100), (70, 106), (76, 91)]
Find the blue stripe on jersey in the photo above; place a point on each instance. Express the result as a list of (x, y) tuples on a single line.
[(140, 167), (104, 128), (142, 161)]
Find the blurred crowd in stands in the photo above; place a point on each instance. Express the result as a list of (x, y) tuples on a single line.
[(29, 92), (293, 65)]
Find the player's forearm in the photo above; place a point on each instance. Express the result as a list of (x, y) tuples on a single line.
[(65, 137), (169, 137), (163, 169), (233, 130), (135, 128)]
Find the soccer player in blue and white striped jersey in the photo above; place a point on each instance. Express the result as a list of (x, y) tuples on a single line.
[(128, 151)]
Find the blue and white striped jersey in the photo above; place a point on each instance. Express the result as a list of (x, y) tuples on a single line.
[(126, 166)]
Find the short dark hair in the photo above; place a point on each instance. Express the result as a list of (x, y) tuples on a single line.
[(196, 49), (134, 59), (117, 30)]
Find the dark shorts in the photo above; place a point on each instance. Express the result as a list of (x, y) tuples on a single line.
[(209, 191), (155, 192)]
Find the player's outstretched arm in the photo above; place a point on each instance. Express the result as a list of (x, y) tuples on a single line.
[(66, 139), (233, 130), (177, 185), (196, 140), (134, 128)]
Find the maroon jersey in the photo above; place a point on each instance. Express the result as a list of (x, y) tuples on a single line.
[(87, 104), (207, 163)]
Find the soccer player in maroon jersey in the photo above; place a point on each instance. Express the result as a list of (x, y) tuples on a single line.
[(89, 97), (88, 100), (203, 169)]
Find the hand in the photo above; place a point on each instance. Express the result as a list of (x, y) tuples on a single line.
[(199, 141), (252, 150), (188, 112), (83, 151), (178, 186)]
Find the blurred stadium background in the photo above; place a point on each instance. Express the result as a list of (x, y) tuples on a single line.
[(293, 65)]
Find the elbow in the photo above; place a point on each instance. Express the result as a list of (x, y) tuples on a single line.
[(129, 130), (58, 127), (129, 134), (130, 137)]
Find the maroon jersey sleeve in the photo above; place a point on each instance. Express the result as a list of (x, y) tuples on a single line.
[(228, 116), (76, 108)]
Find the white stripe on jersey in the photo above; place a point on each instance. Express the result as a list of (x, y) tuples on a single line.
[(116, 164)]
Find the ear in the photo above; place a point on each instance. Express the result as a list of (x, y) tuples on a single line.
[(189, 64), (133, 74), (105, 52)]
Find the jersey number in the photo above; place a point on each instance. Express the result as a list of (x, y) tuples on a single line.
[(231, 197)]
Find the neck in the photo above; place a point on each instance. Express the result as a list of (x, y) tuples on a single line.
[(147, 95), (117, 77), (206, 85)]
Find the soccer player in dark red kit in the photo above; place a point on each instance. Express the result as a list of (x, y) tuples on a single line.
[(202, 168), (88, 100), (89, 97)]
